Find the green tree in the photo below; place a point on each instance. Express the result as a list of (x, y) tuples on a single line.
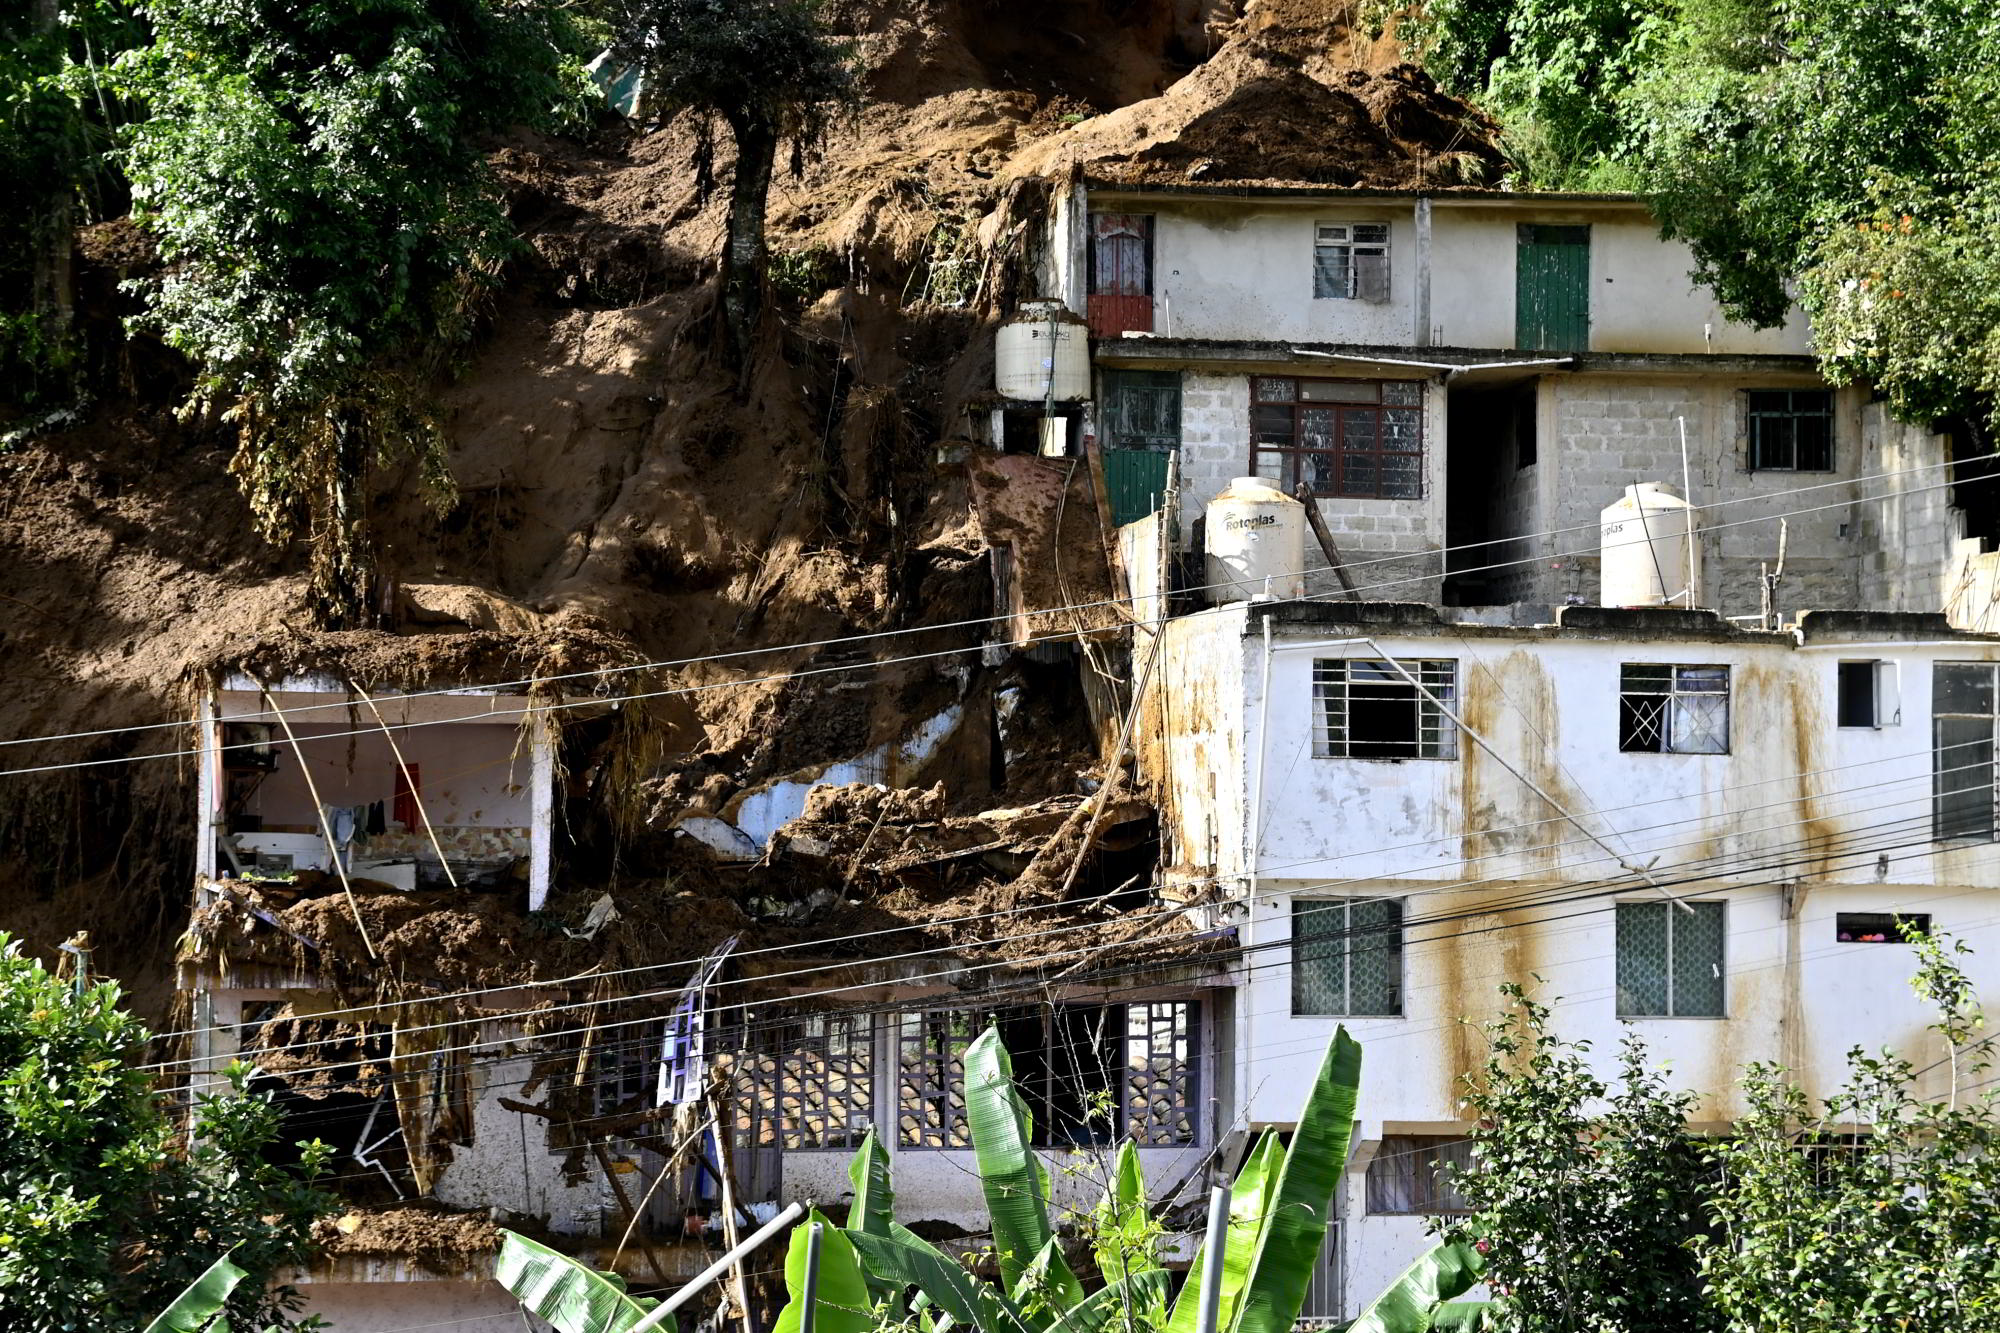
[(105, 1214), (1586, 1194), (56, 116), (1877, 1208), (328, 224), (768, 70)]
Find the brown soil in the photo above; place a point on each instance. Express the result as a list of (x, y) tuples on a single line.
[(445, 1242), (621, 498)]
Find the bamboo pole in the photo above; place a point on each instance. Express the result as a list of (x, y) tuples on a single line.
[(325, 828)]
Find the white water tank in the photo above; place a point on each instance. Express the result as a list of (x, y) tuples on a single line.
[(1043, 352), (1644, 555), (1256, 542)]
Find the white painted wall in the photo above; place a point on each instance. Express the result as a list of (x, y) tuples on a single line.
[(475, 774), (1469, 848), (464, 1306), (1241, 269)]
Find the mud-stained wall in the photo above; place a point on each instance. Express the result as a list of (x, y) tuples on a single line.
[(469, 775)]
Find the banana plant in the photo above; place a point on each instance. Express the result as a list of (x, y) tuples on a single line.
[(1420, 1299), (841, 1300), (572, 1296), (198, 1309), (1278, 1218)]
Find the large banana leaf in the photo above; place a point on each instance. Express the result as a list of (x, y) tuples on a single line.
[(1288, 1253), (841, 1301), (1126, 1300), (1124, 1239), (198, 1309), (1462, 1316), (874, 1206), (1011, 1176), (573, 1296), (1410, 1303), (906, 1258), (1249, 1210)]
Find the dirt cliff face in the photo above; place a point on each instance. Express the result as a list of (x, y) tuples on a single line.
[(621, 497)]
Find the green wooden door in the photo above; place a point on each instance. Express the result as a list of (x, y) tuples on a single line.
[(1552, 289), (1135, 480)]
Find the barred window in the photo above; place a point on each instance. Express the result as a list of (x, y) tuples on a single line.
[(1351, 261), (1369, 710), (1962, 724), (1357, 438), (1088, 1073), (1413, 1173), (1791, 430), (1666, 709), (1670, 961), (1347, 957)]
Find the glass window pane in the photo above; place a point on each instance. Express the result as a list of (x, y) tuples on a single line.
[(1963, 778), (1316, 427), (1319, 957), (1699, 724), (1375, 959), (1318, 471), (1403, 393), (1333, 272), (1271, 390), (1642, 959), (1360, 428), (1701, 679), (1339, 391), (1402, 429), (1644, 678), (1402, 476), (1274, 425), (1357, 475), (1698, 956), (1962, 687)]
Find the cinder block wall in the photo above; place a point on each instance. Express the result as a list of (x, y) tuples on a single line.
[(1391, 544)]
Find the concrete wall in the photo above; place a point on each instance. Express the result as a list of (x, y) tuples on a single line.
[(1603, 432), (470, 774), (464, 1305), (1235, 268), (1387, 544)]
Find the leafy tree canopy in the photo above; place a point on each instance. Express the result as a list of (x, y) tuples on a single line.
[(314, 175), (1841, 154), (104, 1215)]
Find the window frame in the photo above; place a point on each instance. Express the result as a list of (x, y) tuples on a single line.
[(1755, 417), (1671, 709), (1940, 830), (1445, 1198), (1353, 435), (1340, 910), (1674, 918), (1848, 927), (1884, 693), (1433, 727), (1370, 283)]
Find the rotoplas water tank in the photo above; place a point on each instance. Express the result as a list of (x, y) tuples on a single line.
[(1256, 542), (1644, 556), (1043, 352)]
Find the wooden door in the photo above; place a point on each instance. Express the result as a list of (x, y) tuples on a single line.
[(1552, 288)]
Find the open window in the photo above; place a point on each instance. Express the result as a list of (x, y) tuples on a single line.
[(1351, 261), (1790, 430), (1879, 927), (1370, 710), (1868, 696)]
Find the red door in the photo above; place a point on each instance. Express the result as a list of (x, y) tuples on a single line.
[(1121, 273)]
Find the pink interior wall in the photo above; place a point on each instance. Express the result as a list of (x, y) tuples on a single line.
[(468, 774)]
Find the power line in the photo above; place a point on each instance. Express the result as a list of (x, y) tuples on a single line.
[(602, 673), (599, 701)]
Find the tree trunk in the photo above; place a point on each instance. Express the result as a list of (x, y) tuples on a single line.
[(53, 286), (744, 259), (343, 557)]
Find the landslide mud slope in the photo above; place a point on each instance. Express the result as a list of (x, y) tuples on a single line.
[(618, 497)]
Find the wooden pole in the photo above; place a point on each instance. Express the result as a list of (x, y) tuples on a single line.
[(325, 828), (408, 781), (1304, 496), (725, 1134)]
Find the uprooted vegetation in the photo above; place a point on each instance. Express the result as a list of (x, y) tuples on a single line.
[(624, 498)]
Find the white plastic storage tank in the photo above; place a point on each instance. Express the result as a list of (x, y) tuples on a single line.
[(1043, 352), (1646, 555), (1256, 542)]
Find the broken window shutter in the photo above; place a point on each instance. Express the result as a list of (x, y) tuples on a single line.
[(1371, 274)]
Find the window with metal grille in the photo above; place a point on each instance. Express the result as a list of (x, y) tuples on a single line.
[(1370, 710), (1670, 961), (1413, 1173), (1791, 430), (1358, 438), (1962, 726), (1351, 261), (814, 1076), (1347, 957), (1142, 409), (1088, 1073), (1664, 709)]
